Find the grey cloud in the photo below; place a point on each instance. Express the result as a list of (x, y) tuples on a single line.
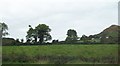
[(85, 16)]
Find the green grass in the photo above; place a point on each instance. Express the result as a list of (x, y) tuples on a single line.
[(61, 54)]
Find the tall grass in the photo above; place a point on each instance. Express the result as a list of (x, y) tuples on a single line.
[(61, 54)]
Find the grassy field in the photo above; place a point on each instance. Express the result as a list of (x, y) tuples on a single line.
[(61, 54)]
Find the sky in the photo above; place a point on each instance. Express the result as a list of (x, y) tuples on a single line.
[(87, 17)]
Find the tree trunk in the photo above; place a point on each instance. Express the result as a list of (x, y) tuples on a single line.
[(41, 39), (35, 39)]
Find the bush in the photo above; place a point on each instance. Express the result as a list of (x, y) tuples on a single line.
[(8, 41)]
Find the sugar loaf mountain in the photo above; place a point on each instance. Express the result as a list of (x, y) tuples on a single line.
[(110, 35)]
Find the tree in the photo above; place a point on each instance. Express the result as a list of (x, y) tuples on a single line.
[(40, 32), (3, 29), (84, 38), (55, 41), (43, 33), (90, 37), (71, 36), (22, 40), (31, 34)]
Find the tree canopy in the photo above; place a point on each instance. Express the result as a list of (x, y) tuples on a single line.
[(39, 34), (3, 29), (71, 36)]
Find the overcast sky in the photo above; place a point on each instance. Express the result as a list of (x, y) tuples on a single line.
[(85, 16)]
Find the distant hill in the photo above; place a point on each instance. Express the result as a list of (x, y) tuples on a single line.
[(110, 34), (111, 31)]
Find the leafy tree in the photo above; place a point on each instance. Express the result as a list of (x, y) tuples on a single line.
[(71, 36), (55, 41), (17, 40), (84, 38), (4, 28), (40, 32), (22, 40), (28, 40), (90, 37), (43, 32), (31, 34)]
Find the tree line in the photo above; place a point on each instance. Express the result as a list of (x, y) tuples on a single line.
[(41, 34)]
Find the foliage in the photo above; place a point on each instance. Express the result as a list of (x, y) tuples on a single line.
[(43, 32), (55, 41), (31, 33), (8, 41), (4, 29), (40, 32), (84, 38), (22, 40), (71, 36)]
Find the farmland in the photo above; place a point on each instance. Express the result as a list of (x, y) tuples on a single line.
[(61, 54)]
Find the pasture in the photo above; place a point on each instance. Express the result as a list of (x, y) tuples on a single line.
[(61, 54)]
